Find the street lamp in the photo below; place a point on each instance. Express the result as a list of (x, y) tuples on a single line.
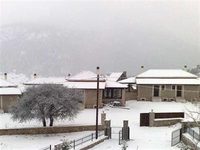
[(97, 103)]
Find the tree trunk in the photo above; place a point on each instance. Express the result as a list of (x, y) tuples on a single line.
[(44, 122), (51, 121)]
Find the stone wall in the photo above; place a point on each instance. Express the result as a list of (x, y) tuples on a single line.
[(163, 122), (164, 119), (8, 101), (48, 130), (91, 98), (144, 92), (132, 95)]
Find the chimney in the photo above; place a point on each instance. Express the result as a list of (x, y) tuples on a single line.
[(68, 76), (34, 75), (5, 76)]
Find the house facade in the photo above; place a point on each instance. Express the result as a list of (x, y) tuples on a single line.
[(131, 90), (9, 94), (109, 91), (167, 85)]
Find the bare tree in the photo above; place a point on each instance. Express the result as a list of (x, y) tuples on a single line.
[(47, 101)]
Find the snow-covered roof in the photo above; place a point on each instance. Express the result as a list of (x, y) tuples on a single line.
[(86, 76), (113, 84), (48, 80), (10, 91), (166, 73), (169, 81), (128, 80), (114, 76), (134, 87), (14, 78), (4, 83), (85, 85)]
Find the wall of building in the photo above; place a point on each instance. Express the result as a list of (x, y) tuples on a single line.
[(131, 95), (122, 100), (190, 93), (144, 91), (91, 98), (167, 93), (8, 101)]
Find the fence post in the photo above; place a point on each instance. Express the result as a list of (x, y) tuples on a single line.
[(151, 118), (125, 131), (74, 144), (103, 118), (108, 129), (50, 147), (92, 136)]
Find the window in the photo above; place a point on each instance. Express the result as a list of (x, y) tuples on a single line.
[(179, 91), (112, 93), (173, 87), (163, 87), (156, 90)]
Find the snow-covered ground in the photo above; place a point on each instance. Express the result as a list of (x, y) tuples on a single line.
[(142, 138)]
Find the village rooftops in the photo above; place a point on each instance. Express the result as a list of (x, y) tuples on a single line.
[(115, 76), (166, 73), (113, 84), (86, 76), (4, 83), (10, 91), (85, 85), (48, 80), (168, 81), (130, 80), (7, 88)]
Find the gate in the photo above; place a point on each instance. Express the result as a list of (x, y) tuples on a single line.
[(176, 137), (115, 132), (144, 119)]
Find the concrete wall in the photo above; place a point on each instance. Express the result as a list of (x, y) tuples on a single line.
[(8, 101), (49, 130), (132, 95), (159, 123), (91, 98), (192, 93), (144, 91)]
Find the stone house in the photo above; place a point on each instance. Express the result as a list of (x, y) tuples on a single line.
[(131, 90), (9, 93), (167, 85), (108, 90)]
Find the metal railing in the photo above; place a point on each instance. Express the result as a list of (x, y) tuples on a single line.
[(73, 144), (193, 133)]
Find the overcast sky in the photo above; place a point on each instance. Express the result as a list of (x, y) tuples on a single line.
[(128, 34)]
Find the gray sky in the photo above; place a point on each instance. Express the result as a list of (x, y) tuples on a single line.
[(119, 35)]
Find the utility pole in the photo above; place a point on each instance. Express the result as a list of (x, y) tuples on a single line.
[(97, 103)]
